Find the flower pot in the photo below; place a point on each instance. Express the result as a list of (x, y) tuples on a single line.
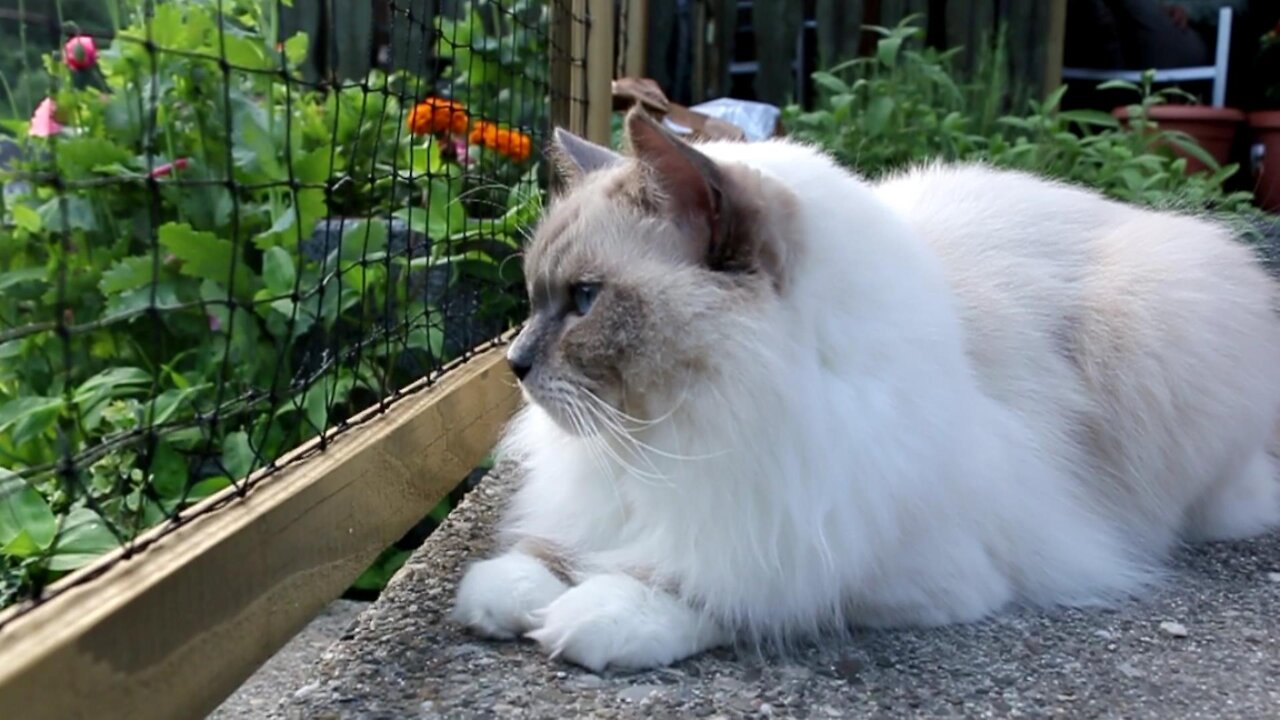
[(1214, 128), (1266, 138)]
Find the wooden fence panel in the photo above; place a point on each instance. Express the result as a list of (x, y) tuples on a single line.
[(839, 30), (776, 23), (1033, 35)]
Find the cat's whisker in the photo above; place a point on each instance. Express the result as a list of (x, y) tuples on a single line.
[(594, 440), (626, 435)]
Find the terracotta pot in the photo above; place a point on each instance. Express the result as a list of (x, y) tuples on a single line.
[(1213, 127), (1266, 138)]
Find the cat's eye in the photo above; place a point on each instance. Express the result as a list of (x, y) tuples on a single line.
[(583, 296)]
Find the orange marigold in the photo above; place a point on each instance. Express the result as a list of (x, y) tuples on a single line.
[(512, 144), (436, 116)]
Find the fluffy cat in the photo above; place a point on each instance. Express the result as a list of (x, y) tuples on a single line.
[(769, 401)]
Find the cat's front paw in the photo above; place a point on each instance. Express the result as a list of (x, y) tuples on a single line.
[(497, 597), (617, 621)]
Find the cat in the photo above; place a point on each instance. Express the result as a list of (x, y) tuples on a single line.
[(769, 401)]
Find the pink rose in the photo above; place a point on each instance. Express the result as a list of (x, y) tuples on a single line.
[(80, 52), (43, 121)]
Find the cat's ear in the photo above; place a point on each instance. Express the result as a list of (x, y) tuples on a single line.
[(688, 185), (577, 157)]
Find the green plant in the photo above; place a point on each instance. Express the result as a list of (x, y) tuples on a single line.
[(904, 106), (203, 268)]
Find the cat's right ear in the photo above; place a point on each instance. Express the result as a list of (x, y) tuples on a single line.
[(577, 157)]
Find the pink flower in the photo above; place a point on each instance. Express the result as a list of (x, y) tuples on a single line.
[(80, 52), (215, 322), (455, 150), (43, 120), (168, 168)]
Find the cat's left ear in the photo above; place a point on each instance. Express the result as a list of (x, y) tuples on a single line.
[(688, 187), (577, 157)]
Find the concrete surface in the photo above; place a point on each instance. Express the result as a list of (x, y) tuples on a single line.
[(288, 668), (1205, 646)]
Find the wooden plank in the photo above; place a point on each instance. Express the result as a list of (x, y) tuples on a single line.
[(560, 53), (839, 30), (172, 631), (777, 23), (579, 102), (698, 77), (659, 43), (599, 70), (637, 30), (1055, 43)]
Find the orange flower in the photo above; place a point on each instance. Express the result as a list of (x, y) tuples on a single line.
[(436, 116), (511, 143)]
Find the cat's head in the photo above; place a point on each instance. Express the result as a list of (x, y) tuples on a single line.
[(641, 270)]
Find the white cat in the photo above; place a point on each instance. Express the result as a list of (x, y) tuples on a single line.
[(769, 401)]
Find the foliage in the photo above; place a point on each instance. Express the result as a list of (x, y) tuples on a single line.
[(905, 105), (203, 269)]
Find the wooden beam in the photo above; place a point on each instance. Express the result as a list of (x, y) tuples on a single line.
[(1054, 46), (579, 35), (561, 60), (637, 31), (174, 630), (599, 71)]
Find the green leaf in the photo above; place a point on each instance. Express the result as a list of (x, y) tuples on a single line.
[(445, 214), (27, 218), (24, 275), (128, 273), (887, 50), (1090, 117), (207, 487), (27, 525), (831, 83), (79, 157), (363, 238), (247, 53), (27, 418), (113, 382), (238, 457), (205, 255), (278, 271), (295, 48), (168, 473), (70, 212), (877, 115), (84, 538)]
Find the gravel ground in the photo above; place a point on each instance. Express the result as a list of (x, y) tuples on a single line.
[(1206, 646)]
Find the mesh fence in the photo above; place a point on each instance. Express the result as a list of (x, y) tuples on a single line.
[(231, 225)]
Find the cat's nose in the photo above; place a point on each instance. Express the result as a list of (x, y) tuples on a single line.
[(520, 365)]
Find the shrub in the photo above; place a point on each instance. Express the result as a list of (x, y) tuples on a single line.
[(906, 105)]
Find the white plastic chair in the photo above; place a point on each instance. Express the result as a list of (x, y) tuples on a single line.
[(1217, 72)]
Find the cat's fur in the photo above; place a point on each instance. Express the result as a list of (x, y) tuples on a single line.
[(802, 402)]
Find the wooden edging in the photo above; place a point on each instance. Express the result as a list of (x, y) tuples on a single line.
[(174, 630)]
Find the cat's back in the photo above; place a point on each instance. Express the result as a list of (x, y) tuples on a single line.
[(1071, 301)]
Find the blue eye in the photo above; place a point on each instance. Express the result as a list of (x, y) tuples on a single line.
[(583, 295)]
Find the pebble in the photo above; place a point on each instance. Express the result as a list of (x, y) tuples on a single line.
[(1274, 577), (1129, 671), (1174, 629), (638, 692)]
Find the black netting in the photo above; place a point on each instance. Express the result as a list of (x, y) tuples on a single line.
[(231, 225)]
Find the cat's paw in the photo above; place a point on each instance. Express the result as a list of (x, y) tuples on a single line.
[(497, 597), (617, 621)]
